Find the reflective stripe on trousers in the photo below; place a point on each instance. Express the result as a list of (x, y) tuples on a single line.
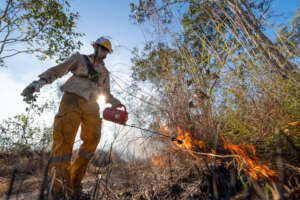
[(85, 155), (59, 159)]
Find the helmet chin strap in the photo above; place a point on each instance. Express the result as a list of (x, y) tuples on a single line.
[(96, 54)]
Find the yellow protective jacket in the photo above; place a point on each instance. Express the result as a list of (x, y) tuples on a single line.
[(78, 84)]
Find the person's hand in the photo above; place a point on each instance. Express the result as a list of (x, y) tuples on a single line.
[(30, 89)]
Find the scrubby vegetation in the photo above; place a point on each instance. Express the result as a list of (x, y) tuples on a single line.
[(224, 87)]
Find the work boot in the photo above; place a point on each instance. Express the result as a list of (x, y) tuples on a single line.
[(78, 194)]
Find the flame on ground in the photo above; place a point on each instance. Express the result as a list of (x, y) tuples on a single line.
[(250, 164), (296, 123), (246, 154), (187, 141), (218, 161)]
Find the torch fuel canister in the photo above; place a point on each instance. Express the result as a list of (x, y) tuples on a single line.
[(116, 115)]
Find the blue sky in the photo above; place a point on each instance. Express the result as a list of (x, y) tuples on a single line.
[(285, 7), (97, 18)]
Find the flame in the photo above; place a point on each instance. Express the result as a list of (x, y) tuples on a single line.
[(201, 144), (296, 127), (213, 152), (212, 157), (250, 164), (293, 123), (246, 154), (157, 160), (186, 140)]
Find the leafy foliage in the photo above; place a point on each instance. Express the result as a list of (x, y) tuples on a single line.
[(289, 36), (22, 132), (45, 27), (219, 67)]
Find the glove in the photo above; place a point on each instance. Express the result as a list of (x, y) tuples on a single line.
[(35, 86)]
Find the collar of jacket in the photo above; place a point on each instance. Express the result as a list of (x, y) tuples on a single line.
[(98, 60)]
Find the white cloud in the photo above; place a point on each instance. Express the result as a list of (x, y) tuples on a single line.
[(11, 102)]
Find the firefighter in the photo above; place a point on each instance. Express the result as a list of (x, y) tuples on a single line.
[(78, 107)]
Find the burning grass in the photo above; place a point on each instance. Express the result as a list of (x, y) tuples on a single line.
[(244, 154), (173, 174), (189, 169)]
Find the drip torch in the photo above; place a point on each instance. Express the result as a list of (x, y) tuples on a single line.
[(119, 116)]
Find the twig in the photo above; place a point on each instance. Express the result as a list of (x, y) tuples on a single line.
[(95, 191), (279, 162), (45, 182), (12, 180), (108, 169), (170, 167), (211, 154), (214, 179)]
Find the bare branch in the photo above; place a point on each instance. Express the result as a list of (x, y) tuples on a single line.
[(20, 39), (5, 11), (5, 38), (18, 52)]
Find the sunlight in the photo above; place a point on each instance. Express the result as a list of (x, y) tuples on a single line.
[(101, 100)]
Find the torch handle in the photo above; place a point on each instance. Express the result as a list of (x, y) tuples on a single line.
[(123, 106)]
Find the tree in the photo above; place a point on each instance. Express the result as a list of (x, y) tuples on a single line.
[(289, 36), (45, 28), (25, 130), (241, 19), (221, 62)]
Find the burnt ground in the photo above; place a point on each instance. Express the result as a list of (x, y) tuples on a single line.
[(182, 179)]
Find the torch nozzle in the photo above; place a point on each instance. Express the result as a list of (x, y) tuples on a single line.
[(177, 140)]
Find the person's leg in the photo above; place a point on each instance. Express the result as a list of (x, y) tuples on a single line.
[(90, 135), (65, 128)]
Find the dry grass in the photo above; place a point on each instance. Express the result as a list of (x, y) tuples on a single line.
[(177, 176), (239, 85)]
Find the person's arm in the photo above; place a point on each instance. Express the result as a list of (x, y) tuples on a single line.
[(60, 70), (50, 75), (109, 97)]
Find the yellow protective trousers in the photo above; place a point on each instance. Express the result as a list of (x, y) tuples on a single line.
[(73, 112)]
